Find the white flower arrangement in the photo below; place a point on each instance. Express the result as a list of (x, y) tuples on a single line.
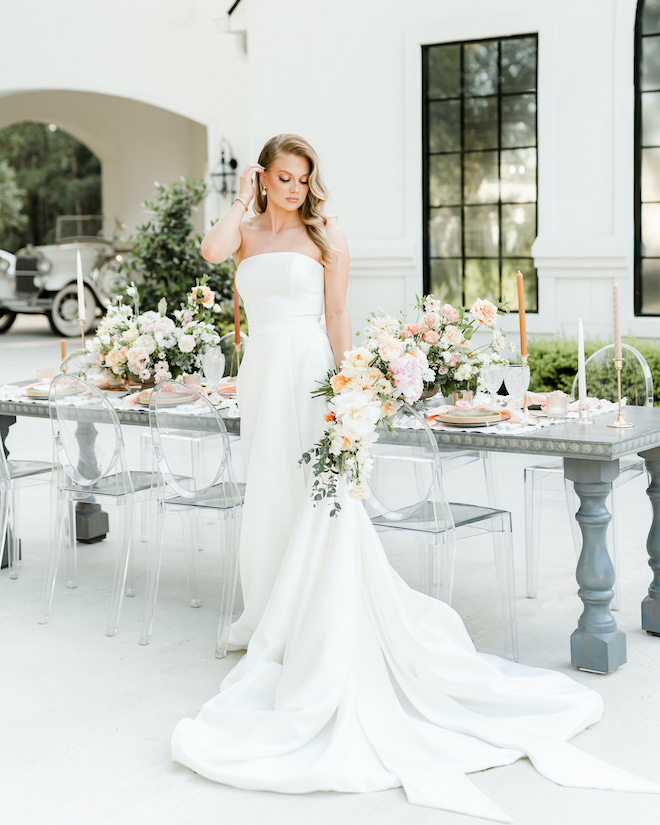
[(150, 345)]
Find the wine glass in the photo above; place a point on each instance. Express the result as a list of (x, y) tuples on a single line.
[(493, 376), (213, 364), (516, 382)]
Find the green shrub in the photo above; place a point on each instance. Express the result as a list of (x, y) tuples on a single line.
[(166, 260), (553, 365)]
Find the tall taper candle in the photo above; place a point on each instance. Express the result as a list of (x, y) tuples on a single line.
[(521, 315), (582, 378), (63, 348), (81, 288), (617, 324)]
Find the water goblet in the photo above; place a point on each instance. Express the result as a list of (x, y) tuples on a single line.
[(213, 364), (516, 382), (493, 376)]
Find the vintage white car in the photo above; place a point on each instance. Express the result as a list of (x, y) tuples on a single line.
[(42, 279)]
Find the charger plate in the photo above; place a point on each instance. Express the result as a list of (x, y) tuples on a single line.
[(473, 417), (41, 392), (165, 400)]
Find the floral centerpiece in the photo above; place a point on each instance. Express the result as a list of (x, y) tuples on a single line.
[(372, 384), (444, 334), (151, 346)]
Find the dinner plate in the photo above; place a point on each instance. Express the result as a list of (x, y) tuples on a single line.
[(473, 417), (41, 392), (164, 399)]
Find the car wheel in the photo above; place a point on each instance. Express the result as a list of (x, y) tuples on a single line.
[(7, 318), (63, 316)]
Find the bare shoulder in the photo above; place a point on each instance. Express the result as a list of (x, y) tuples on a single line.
[(335, 235), (249, 228)]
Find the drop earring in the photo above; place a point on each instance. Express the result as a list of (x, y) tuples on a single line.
[(263, 191)]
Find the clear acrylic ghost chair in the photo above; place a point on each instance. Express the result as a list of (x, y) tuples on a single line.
[(228, 345), (193, 485), (453, 460), (407, 495), (637, 387), (91, 468), (13, 476)]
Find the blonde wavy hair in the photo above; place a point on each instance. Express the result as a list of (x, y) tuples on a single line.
[(311, 210)]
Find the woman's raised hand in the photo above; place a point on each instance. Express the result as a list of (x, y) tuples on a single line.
[(247, 181)]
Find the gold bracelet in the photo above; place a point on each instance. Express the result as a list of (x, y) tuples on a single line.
[(240, 200)]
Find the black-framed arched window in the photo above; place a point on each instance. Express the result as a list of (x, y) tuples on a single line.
[(647, 158), (480, 168)]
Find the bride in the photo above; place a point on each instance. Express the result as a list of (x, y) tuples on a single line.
[(351, 680)]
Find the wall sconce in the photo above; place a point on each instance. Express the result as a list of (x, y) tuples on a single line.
[(223, 174)]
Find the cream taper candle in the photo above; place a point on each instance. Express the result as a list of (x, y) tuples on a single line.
[(617, 324), (81, 288), (582, 378), (521, 314)]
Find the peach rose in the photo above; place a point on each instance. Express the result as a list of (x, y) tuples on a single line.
[(453, 335), (339, 382), (450, 313), (413, 328), (330, 416), (431, 337), (484, 312), (430, 320), (203, 295)]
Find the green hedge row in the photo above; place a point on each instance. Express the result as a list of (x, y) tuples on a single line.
[(553, 362)]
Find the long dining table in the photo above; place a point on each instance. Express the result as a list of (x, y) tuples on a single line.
[(591, 452)]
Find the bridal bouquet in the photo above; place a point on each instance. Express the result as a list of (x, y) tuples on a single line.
[(373, 382), (150, 345)]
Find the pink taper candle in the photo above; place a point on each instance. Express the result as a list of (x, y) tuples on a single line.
[(617, 324)]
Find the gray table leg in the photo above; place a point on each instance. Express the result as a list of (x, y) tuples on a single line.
[(5, 423), (651, 604), (91, 521), (597, 644)]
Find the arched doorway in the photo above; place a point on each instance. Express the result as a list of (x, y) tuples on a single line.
[(55, 173)]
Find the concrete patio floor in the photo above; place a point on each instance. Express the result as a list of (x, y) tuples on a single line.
[(86, 719)]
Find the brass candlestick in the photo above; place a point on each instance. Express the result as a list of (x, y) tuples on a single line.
[(531, 418), (620, 421), (237, 356)]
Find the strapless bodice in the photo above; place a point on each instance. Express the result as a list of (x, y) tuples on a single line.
[(280, 290)]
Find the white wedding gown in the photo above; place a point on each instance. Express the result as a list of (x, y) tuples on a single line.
[(352, 681)]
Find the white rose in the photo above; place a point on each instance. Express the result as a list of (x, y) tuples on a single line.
[(145, 342), (357, 411), (186, 343), (131, 335)]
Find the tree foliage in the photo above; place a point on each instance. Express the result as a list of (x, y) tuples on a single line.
[(59, 175), (166, 259), (12, 201)]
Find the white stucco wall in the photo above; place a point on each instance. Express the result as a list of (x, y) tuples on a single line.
[(347, 76), (161, 81)]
